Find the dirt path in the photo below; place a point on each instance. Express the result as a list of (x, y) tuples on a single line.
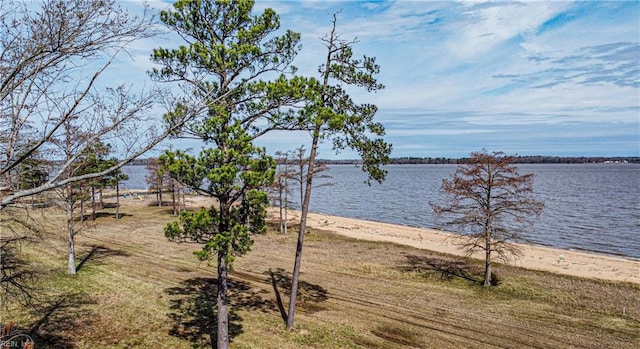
[(352, 294)]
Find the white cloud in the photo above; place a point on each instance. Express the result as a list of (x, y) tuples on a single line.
[(488, 25), (435, 132), (479, 70)]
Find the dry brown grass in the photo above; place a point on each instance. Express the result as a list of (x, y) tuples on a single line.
[(137, 290)]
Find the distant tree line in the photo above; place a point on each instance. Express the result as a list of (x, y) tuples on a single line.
[(541, 159), (411, 160), (531, 159)]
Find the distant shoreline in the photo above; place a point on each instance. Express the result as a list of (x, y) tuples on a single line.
[(536, 159)]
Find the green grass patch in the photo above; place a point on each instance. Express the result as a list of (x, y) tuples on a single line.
[(137, 290)]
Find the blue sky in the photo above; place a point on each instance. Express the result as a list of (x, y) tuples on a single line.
[(530, 78)]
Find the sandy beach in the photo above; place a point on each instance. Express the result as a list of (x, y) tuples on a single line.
[(576, 263), (535, 257)]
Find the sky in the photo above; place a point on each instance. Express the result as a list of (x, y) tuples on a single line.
[(557, 78)]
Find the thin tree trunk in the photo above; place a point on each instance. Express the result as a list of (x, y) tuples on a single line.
[(301, 181), (81, 207), (70, 232), (487, 261), (72, 251), (222, 304), (118, 200), (280, 205), (286, 206), (286, 193), (93, 203), (301, 232), (173, 198), (487, 230)]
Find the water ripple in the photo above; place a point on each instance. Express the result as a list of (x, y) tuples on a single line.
[(592, 207)]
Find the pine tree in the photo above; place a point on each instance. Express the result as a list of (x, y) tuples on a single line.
[(227, 53), (336, 117)]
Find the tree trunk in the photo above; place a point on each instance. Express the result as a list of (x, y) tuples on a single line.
[(487, 261), (93, 203), (72, 252), (303, 224), (118, 200), (81, 207), (487, 229), (222, 304), (281, 205), (301, 186), (173, 198), (286, 195), (286, 207), (70, 233)]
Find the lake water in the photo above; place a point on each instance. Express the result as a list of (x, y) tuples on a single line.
[(592, 207)]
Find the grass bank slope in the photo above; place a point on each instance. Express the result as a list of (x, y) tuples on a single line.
[(134, 289)]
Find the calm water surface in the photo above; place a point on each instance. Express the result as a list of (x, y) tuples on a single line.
[(593, 207)]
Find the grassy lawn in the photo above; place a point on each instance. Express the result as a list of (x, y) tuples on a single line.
[(134, 289)]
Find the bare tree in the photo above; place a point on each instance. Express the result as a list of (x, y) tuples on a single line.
[(156, 178), (293, 166), (491, 204), (177, 191), (52, 60), (280, 188), (73, 194), (301, 173), (114, 181)]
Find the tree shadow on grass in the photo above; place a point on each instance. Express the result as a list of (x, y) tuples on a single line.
[(309, 295), (104, 215), (446, 268), (100, 216), (194, 314), (59, 320), (97, 255), (110, 205), (17, 274), (193, 305)]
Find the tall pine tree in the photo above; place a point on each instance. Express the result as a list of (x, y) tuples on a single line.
[(227, 53), (334, 116)]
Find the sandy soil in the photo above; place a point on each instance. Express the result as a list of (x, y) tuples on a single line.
[(569, 262), (589, 265)]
